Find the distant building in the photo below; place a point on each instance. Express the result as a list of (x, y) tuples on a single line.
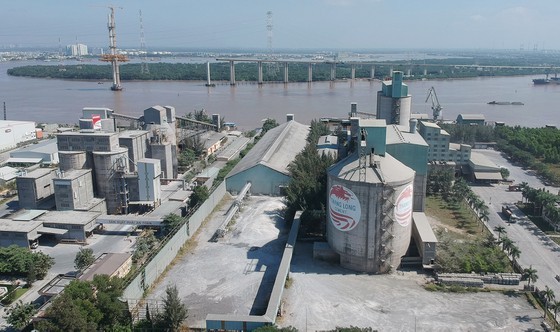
[(77, 50), (13, 133), (471, 119)]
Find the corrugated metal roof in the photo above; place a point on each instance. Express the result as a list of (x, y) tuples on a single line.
[(423, 227), (276, 149), (401, 134), (472, 116), (488, 176)]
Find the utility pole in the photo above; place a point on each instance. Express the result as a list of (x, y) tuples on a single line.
[(5, 116)]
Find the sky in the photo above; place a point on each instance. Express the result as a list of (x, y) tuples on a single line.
[(296, 24)]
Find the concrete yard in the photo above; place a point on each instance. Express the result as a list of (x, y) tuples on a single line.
[(323, 296), (234, 275)]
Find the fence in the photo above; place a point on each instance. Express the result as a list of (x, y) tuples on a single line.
[(145, 277)]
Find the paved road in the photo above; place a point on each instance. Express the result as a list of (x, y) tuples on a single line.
[(536, 248)]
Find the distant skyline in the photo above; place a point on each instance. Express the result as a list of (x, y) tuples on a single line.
[(303, 24)]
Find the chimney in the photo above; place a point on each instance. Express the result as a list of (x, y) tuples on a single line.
[(289, 117), (216, 121)]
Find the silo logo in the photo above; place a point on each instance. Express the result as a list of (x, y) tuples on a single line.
[(403, 207), (344, 208)]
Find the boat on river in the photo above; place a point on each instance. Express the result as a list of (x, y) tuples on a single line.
[(541, 81), (493, 102)]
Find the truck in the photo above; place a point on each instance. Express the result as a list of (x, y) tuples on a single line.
[(514, 187), (508, 214)]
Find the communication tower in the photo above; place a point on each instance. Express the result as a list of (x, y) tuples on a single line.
[(113, 57), (144, 67)]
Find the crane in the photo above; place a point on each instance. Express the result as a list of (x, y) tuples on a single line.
[(436, 107)]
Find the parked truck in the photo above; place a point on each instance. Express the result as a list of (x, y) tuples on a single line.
[(508, 214)]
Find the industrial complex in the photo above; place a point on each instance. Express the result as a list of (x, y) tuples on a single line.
[(116, 169)]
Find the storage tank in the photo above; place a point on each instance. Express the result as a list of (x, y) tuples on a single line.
[(369, 212), (69, 160), (110, 169)]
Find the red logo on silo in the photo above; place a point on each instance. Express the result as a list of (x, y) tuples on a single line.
[(344, 208), (403, 206)]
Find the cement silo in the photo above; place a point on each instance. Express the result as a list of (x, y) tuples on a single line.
[(393, 101), (369, 206), (110, 168), (69, 160)]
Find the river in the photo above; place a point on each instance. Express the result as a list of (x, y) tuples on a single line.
[(61, 101)]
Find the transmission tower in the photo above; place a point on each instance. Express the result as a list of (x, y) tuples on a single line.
[(144, 67), (269, 32), (272, 67), (113, 57)]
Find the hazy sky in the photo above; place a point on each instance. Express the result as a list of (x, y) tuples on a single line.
[(328, 24)]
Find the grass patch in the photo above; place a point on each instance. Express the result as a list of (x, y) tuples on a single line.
[(556, 239), (456, 218), (454, 289)]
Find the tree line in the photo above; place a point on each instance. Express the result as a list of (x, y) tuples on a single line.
[(248, 71)]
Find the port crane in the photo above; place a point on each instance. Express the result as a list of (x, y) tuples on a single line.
[(436, 107)]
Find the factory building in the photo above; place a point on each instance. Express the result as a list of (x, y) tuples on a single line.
[(72, 225), (73, 189), (137, 142), (266, 165), (440, 149), (393, 101), (471, 119), (13, 133), (405, 144), (370, 203), (35, 189), (149, 176), (20, 233), (377, 193), (45, 151)]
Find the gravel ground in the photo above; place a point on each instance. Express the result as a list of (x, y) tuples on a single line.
[(235, 274), (324, 296)]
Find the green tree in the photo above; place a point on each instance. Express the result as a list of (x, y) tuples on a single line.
[(20, 314), (199, 195), (500, 230), (505, 173), (268, 124), (531, 275), (88, 306), (174, 310), (84, 258), (171, 221), (548, 295), (555, 306)]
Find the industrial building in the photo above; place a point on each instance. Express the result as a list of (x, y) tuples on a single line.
[(35, 189), (483, 170), (471, 119), (376, 193), (73, 189), (45, 152), (111, 264), (266, 165), (13, 133), (20, 233), (370, 203), (393, 101), (440, 148), (8, 174)]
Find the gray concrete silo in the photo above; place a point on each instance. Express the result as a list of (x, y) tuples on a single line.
[(369, 208), (69, 160), (110, 168)]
